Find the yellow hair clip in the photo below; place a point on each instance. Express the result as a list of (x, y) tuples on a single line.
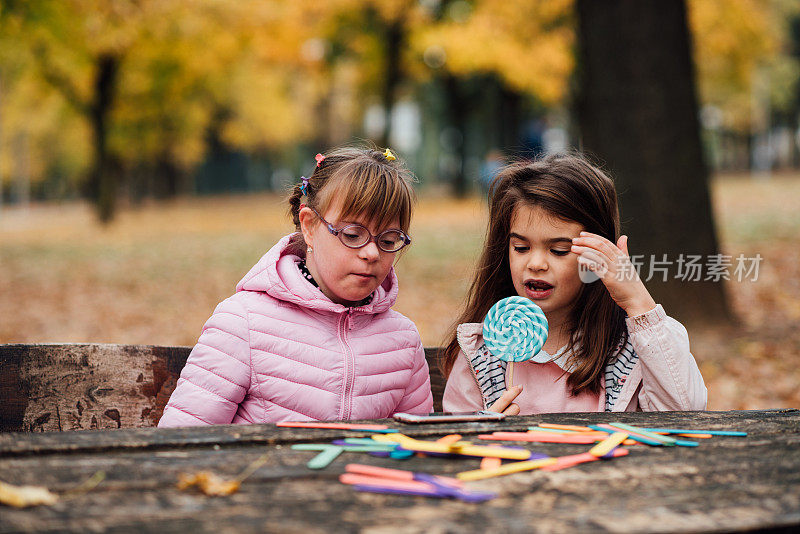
[(388, 155)]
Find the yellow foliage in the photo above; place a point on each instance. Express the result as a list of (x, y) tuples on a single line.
[(529, 43)]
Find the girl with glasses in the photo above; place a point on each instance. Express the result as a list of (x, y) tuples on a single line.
[(554, 239), (310, 333)]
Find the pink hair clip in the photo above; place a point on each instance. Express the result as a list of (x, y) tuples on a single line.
[(320, 158)]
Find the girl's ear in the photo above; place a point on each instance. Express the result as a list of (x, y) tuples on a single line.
[(308, 224)]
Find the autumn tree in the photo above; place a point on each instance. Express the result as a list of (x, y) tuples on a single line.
[(639, 114)]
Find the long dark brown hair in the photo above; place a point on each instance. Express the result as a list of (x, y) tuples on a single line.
[(572, 189)]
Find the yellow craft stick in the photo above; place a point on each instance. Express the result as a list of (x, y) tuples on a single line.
[(507, 469), (605, 446), (460, 447)]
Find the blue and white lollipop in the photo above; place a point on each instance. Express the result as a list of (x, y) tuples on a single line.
[(515, 329)]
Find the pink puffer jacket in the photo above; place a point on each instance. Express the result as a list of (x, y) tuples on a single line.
[(280, 350)]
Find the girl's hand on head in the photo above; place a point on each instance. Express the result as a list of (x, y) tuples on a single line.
[(612, 264), (504, 404)]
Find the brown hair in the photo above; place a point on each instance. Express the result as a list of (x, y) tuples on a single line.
[(572, 189), (364, 182)]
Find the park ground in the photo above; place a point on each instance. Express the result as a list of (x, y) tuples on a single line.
[(155, 275)]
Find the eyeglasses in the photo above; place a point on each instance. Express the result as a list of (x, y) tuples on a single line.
[(356, 236)]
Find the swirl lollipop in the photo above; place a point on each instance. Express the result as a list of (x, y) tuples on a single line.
[(515, 330)]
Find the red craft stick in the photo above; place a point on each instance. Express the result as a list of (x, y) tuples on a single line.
[(338, 426)]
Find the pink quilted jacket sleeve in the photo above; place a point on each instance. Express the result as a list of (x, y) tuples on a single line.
[(418, 398), (216, 377), (671, 379)]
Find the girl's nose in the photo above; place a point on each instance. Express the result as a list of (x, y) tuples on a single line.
[(537, 261), (369, 252)]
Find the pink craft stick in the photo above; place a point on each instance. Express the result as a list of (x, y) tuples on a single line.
[(491, 463), (379, 474), (562, 462), (338, 426), (540, 437), (350, 478)]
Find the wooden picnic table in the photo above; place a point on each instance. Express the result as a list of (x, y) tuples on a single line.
[(725, 484)]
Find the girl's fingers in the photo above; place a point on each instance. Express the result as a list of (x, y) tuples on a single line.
[(622, 244), (513, 409), (599, 243), (504, 402)]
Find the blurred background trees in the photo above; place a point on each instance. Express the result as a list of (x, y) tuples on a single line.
[(122, 101)]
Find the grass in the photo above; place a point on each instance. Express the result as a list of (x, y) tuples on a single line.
[(155, 275)]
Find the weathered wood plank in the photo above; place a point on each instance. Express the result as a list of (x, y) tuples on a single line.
[(56, 387), (725, 484)]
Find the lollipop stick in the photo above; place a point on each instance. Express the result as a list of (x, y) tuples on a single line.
[(510, 375)]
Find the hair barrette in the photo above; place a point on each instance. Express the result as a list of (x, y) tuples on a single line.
[(304, 185), (388, 155), (320, 158)]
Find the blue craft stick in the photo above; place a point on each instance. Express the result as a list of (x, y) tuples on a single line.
[(666, 439), (712, 432), (646, 441), (401, 454)]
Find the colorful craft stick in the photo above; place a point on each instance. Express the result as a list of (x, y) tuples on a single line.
[(323, 459), (666, 439), (568, 461), (462, 448), (632, 435), (449, 439), (382, 480), (574, 428), (351, 478), (685, 431), (394, 474), (608, 444), (507, 469), (336, 426), (491, 463), (540, 437)]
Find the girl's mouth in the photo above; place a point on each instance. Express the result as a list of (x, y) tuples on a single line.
[(538, 289)]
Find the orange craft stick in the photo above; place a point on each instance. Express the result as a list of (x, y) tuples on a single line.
[(338, 426), (449, 439), (574, 428)]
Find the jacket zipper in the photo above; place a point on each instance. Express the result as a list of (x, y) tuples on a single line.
[(349, 365)]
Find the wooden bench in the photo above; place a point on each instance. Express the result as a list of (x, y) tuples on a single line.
[(54, 387)]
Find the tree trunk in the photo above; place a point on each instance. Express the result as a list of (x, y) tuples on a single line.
[(393, 41), (103, 178), (638, 116)]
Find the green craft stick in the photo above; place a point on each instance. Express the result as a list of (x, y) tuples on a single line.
[(323, 459)]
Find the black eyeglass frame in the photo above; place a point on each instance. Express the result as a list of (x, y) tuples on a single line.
[(372, 238)]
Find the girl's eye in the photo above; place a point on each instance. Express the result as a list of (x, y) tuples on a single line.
[(560, 252), (521, 249)]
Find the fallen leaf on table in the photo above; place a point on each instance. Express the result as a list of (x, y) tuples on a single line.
[(24, 496), (208, 483)]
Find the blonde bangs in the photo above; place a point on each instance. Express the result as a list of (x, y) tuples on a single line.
[(364, 189)]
